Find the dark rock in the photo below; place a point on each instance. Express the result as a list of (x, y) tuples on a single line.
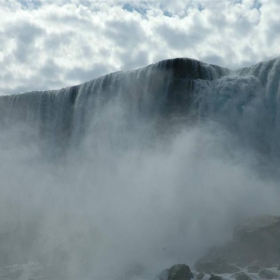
[(200, 276), (215, 277), (267, 274), (242, 276), (254, 268), (179, 272)]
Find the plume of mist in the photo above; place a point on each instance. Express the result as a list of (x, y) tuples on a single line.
[(127, 197)]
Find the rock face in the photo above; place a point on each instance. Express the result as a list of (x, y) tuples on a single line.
[(260, 237), (242, 276), (179, 272), (215, 277), (257, 239)]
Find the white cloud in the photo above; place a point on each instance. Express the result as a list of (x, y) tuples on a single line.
[(46, 44)]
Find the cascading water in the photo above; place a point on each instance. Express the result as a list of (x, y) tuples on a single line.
[(145, 93), (126, 174)]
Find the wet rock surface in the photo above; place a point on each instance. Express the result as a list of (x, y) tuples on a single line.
[(215, 277), (242, 276), (180, 272), (183, 272), (255, 244)]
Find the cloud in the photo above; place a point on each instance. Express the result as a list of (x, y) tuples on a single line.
[(47, 45)]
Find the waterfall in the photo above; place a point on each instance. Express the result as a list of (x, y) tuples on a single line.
[(137, 170), (59, 116)]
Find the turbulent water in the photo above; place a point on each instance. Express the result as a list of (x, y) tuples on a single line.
[(127, 174)]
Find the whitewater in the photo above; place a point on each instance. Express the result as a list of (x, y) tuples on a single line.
[(132, 172)]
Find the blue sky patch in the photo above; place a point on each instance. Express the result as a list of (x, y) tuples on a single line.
[(131, 8), (27, 4), (167, 14)]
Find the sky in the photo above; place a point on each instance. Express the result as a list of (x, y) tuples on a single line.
[(50, 44)]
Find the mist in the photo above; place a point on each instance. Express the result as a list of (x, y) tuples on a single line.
[(135, 192)]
